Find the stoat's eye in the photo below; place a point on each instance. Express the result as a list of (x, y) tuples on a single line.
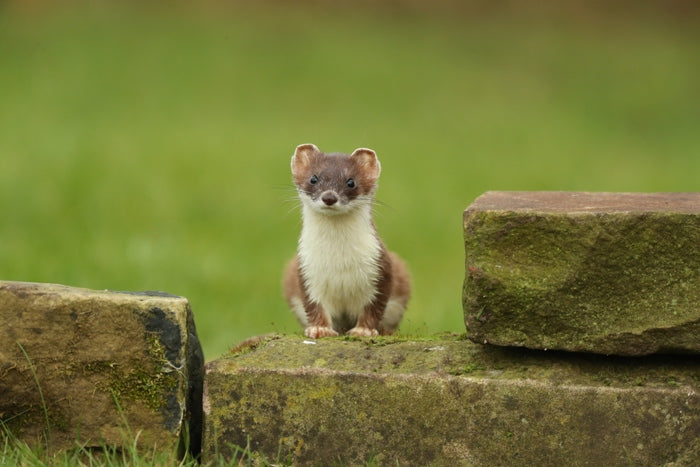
[(313, 180), (351, 183)]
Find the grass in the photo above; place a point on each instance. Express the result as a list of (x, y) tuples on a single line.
[(148, 148), (15, 452), (47, 432)]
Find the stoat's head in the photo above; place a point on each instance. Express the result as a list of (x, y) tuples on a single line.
[(335, 183)]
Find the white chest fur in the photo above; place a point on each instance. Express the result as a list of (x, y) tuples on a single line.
[(339, 257)]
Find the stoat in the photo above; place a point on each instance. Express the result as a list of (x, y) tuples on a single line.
[(343, 280)]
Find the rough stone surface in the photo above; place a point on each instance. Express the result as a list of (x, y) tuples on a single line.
[(448, 401), (98, 367), (611, 273)]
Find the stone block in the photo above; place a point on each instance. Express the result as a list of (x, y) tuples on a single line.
[(611, 273), (448, 401), (94, 368)]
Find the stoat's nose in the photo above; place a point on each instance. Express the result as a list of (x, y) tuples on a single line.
[(329, 198)]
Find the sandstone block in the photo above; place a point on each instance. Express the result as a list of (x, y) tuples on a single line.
[(611, 273), (98, 367), (448, 401)]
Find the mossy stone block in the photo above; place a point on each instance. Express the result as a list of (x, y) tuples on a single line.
[(447, 401), (94, 368), (611, 273)]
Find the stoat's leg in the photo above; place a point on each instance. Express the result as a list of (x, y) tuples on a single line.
[(318, 323), (294, 291), (400, 294), (314, 332), (368, 322), (361, 331), (312, 316)]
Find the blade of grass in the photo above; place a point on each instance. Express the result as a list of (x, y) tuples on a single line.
[(47, 433)]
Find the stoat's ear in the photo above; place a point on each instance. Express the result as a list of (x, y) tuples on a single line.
[(302, 156), (367, 160)]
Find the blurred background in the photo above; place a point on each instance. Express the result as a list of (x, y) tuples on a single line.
[(146, 145)]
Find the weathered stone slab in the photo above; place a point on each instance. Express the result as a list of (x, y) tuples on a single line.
[(96, 367), (611, 273), (448, 401)]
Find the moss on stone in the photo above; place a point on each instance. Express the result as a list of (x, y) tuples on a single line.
[(251, 344), (107, 363), (621, 282), (143, 380), (445, 400), (455, 355)]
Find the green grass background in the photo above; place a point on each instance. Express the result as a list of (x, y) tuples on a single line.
[(148, 148)]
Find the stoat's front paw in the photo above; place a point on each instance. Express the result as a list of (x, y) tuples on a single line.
[(314, 332), (360, 331)]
